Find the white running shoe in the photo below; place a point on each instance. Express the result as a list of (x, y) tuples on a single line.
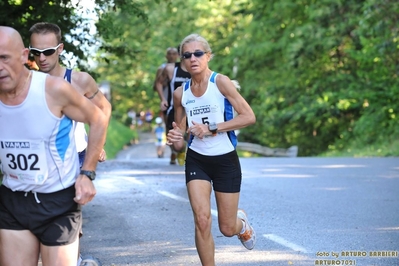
[(90, 261), (79, 260), (248, 238)]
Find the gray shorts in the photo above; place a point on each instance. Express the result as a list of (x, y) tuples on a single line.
[(223, 171), (54, 218)]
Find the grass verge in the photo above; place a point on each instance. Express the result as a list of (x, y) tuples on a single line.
[(118, 135), (385, 148)]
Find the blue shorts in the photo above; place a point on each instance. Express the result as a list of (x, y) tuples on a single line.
[(54, 218), (223, 171), (82, 156)]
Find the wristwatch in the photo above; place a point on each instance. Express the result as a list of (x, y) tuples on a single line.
[(213, 128), (89, 174)]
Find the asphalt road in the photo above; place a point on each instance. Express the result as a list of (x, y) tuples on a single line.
[(306, 211)]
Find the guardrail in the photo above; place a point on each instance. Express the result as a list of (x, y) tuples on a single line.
[(266, 151)]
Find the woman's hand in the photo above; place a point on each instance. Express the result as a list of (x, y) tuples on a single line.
[(174, 135), (199, 130)]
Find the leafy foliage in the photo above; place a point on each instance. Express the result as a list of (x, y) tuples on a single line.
[(318, 74), (22, 14), (326, 77)]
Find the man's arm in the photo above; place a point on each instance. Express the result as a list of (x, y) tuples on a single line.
[(157, 76), (162, 79), (85, 83), (89, 88)]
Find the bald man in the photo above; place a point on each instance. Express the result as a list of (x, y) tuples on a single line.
[(43, 188), (171, 57)]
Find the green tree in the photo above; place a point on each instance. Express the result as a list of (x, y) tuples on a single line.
[(133, 49), (318, 74), (305, 71), (75, 24)]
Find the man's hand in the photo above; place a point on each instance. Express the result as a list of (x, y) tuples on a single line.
[(164, 105), (103, 156), (85, 190)]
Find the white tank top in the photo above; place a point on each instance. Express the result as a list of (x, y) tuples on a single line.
[(80, 130), (212, 106), (80, 137), (37, 149)]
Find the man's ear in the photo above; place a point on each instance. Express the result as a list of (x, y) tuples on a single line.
[(61, 48), (24, 56)]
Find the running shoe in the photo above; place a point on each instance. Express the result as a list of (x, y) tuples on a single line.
[(90, 261), (173, 158), (181, 157), (79, 259), (248, 238)]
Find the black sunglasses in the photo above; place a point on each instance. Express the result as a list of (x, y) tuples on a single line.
[(188, 55), (46, 52)]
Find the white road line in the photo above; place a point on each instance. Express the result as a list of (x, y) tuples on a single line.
[(175, 197), (110, 179), (172, 196), (285, 243), (271, 237), (214, 212)]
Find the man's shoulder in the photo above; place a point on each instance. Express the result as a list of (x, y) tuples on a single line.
[(81, 77), (48, 77), (55, 85), (39, 73), (79, 74), (170, 67)]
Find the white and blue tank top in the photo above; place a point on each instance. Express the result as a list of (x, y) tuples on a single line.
[(211, 107), (37, 148)]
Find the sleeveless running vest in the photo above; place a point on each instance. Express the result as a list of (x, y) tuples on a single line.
[(37, 149), (212, 106), (80, 131), (179, 77)]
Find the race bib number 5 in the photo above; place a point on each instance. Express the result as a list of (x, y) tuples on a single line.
[(24, 161)]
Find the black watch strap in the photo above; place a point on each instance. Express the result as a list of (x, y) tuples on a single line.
[(89, 174), (213, 129)]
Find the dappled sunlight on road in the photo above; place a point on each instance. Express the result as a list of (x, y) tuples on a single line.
[(107, 185), (322, 166), (236, 255), (273, 170), (144, 253), (390, 176), (299, 206), (175, 254), (332, 188), (142, 172), (388, 228), (286, 175)]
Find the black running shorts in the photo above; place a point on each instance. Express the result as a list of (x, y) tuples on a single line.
[(170, 119), (223, 171), (54, 218)]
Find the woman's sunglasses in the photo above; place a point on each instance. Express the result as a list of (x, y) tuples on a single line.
[(46, 52), (188, 55)]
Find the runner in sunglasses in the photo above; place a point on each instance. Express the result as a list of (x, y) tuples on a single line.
[(46, 52), (204, 108), (46, 47)]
